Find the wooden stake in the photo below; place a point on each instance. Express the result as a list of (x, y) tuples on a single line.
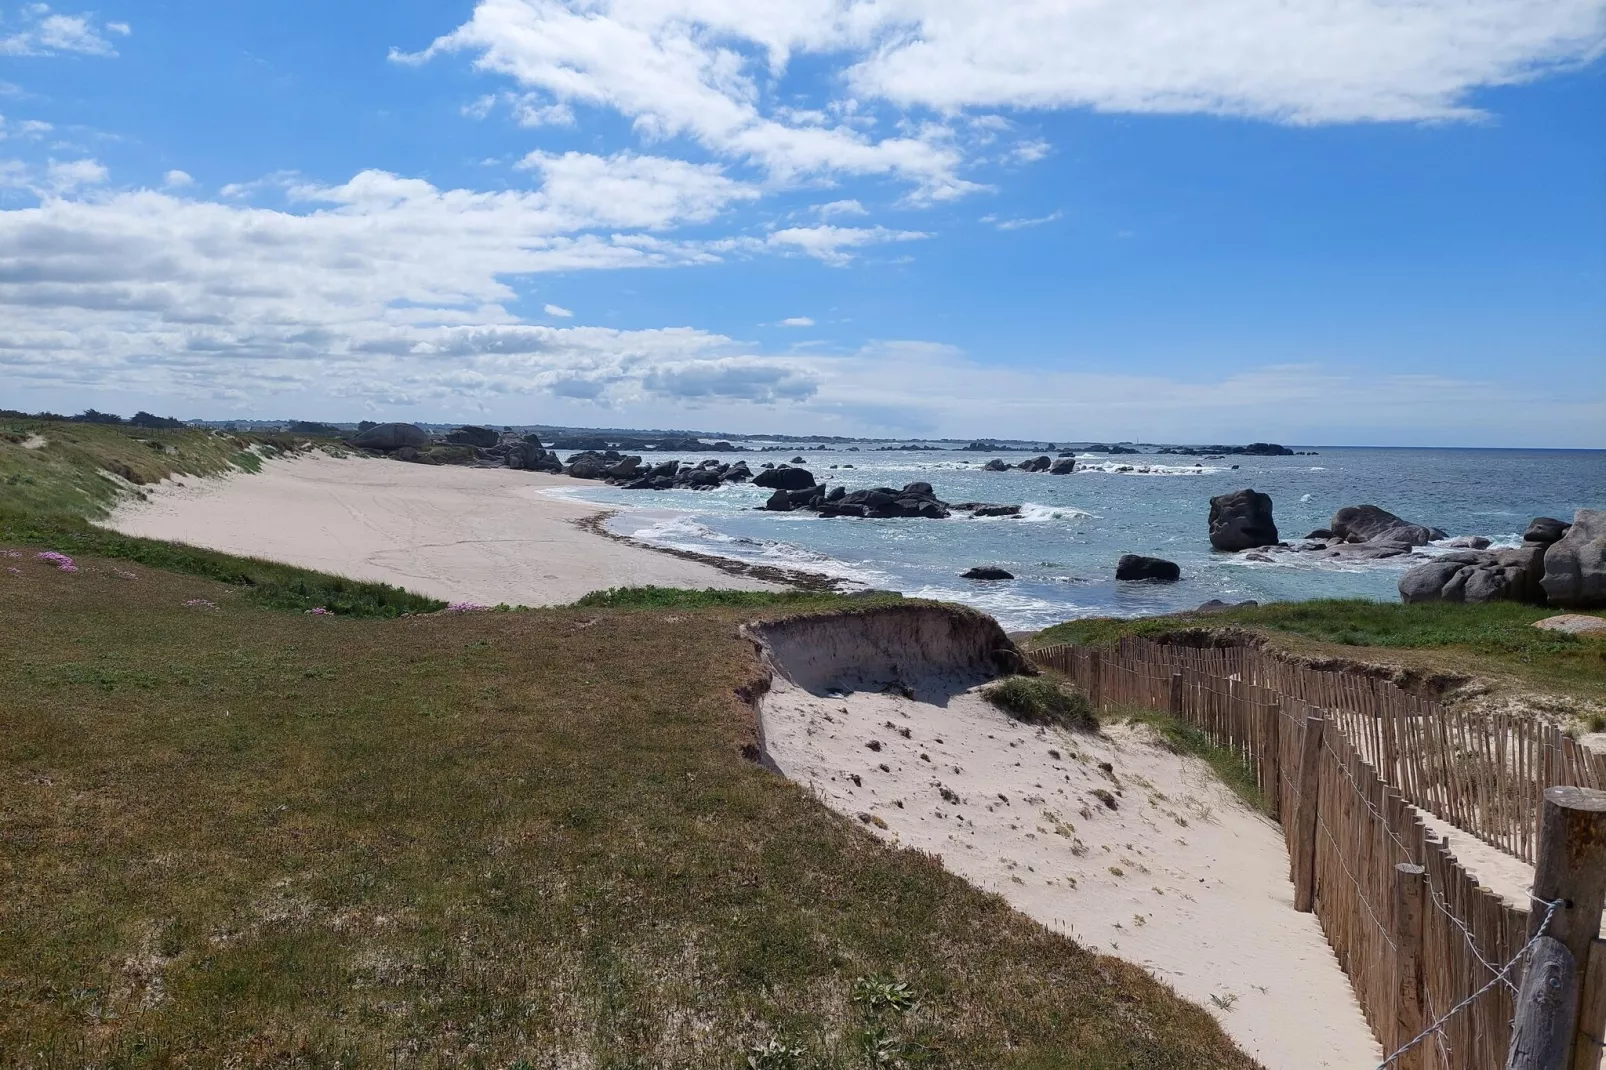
[(1303, 845), (1571, 869), (1410, 890), (1592, 1011)]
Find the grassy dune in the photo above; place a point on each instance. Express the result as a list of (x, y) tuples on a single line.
[(234, 836), (56, 478), (1494, 641)]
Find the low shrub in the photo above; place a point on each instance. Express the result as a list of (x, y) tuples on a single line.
[(1039, 700)]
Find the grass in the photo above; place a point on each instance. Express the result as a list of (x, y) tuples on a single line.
[(1228, 765), (1491, 638), (49, 495), (1040, 700), (683, 598), (236, 837)]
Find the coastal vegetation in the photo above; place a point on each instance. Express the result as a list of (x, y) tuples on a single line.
[(1494, 641), (235, 836), (58, 476)]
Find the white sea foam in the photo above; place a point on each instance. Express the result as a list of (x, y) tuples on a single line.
[(1033, 513), (685, 532), (1133, 468)]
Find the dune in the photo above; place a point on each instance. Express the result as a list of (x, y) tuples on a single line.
[(1112, 838), (482, 535)]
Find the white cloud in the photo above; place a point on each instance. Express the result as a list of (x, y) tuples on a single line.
[(713, 70), (176, 179), (625, 190), (830, 243), (381, 288), (66, 176), (1021, 224), (836, 209), (797, 321), (557, 310), (47, 34)]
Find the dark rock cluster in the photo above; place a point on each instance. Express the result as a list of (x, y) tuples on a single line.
[(1254, 449), (1062, 466)]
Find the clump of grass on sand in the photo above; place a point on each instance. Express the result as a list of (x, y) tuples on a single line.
[(235, 837), (1040, 700)]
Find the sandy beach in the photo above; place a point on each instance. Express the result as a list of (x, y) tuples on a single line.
[(482, 535)]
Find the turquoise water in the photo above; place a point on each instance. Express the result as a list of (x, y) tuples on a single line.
[(1063, 552)]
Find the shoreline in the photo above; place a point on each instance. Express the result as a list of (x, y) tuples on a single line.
[(486, 536), (796, 578)]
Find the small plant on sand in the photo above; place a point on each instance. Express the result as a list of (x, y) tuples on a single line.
[(882, 1002), (1039, 700), (777, 1053)]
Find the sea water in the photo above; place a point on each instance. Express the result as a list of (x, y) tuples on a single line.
[(1063, 549)]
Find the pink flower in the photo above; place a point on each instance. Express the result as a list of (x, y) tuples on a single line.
[(465, 607), (318, 611), (62, 562)]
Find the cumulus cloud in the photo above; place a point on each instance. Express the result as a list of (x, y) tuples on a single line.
[(709, 70), (177, 179), (557, 310), (797, 321), (838, 209), (625, 190), (45, 33), (379, 287)]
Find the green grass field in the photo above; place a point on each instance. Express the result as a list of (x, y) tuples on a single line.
[(236, 836), (1495, 640)]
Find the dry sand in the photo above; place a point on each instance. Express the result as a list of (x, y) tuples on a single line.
[(461, 534), (1180, 877)]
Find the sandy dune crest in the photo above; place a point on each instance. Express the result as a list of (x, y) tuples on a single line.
[(485, 535), (1177, 875)]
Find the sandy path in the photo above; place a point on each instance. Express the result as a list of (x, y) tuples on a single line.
[(462, 534), (1180, 878)]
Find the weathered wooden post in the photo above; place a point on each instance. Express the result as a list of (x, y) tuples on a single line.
[(1095, 679), (1410, 893), (1549, 1033), (1176, 696), (1303, 844), (1592, 1011), (1271, 750)]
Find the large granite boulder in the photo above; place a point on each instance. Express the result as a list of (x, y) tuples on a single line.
[(531, 457), (1063, 467), (784, 478), (1575, 565), (1241, 521), (389, 437), (1368, 523), (1545, 530), (469, 435), (1478, 576), (1037, 464), (997, 464), (986, 572), (1138, 567), (590, 464), (881, 503)]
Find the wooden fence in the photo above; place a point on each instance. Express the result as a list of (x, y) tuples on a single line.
[(1409, 925)]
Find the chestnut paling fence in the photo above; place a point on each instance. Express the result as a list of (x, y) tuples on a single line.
[(1426, 949)]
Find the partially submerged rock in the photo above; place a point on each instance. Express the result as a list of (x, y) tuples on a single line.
[(1477, 576), (1368, 523), (1138, 567), (785, 478), (986, 572), (1241, 521)]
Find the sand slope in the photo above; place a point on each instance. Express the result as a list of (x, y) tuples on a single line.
[(461, 534), (1179, 877)]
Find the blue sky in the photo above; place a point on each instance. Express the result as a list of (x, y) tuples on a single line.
[(1176, 220)]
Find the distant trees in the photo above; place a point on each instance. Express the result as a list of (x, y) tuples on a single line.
[(93, 416), (364, 425), (145, 419)]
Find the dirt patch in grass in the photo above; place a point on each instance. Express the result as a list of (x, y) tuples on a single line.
[(236, 837)]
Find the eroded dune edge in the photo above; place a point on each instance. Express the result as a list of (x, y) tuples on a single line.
[(1110, 837)]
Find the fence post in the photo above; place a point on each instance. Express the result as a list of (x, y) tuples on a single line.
[(1572, 869), (1303, 844), (1271, 759), (1410, 884), (1095, 679), (1592, 1011), (1176, 696)]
